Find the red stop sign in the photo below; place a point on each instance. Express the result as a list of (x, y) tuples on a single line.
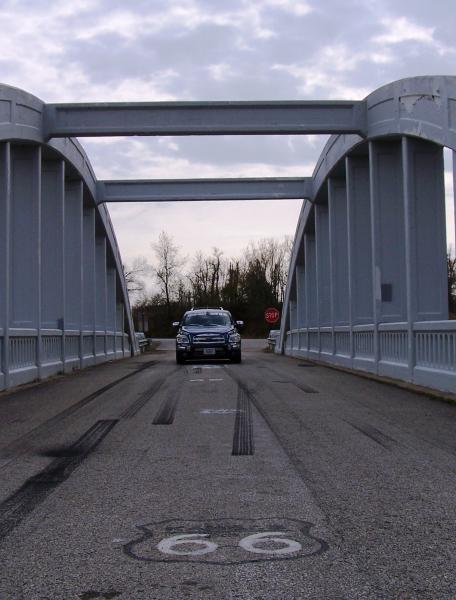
[(271, 315)]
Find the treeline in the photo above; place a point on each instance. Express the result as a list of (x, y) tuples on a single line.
[(245, 285)]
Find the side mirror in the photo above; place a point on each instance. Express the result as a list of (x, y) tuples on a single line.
[(240, 323), (176, 323)]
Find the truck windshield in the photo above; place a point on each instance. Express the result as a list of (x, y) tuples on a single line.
[(207, 319)]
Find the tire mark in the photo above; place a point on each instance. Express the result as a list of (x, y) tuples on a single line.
[(304, 388), (374, 434), (143, 399), (167, 411), (36, 489), (283, 443), (243, 426), (18, 445)]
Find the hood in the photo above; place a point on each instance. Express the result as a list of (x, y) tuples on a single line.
[(195, 329)]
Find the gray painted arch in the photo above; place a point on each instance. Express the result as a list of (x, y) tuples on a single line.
[(421, 107), (63, 300), (408, 124)]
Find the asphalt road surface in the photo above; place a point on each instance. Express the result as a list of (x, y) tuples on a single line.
[(273, 479)]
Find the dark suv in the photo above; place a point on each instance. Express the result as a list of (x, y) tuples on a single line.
[(208, 333)]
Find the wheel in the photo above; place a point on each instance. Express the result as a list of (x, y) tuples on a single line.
[(236, 358), (180, 360)]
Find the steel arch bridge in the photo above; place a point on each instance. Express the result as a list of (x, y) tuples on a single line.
[(367, 282)]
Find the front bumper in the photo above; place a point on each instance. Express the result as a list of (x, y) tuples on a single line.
[(189, 351)]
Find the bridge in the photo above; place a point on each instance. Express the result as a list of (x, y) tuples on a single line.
[(367, 284)]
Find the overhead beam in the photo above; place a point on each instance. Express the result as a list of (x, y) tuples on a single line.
[(204, 118), (171, 190)]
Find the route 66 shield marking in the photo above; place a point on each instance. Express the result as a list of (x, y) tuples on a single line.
[(225, 541)]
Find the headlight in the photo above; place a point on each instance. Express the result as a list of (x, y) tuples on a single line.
[(234, 338), (182, 338)]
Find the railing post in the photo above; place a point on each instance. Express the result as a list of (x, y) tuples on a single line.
[(74, 267), (5, 258), (410, 241), (425, 237), (301, 295), (111, 295), (359, 253), (100, 294), (388, 245), (323, 272), (376, 273), (338, 258), (89, 282), (52, 255), (311, 288), (25, 259)]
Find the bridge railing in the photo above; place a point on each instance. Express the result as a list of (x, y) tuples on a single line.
[(29, 354), (427, 357)]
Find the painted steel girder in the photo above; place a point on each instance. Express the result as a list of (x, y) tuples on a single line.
[(204, 118), (204, 189)]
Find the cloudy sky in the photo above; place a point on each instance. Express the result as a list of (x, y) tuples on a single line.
[(147, 50)]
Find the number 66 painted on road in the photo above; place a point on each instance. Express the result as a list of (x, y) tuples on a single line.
[(249, 543), (225, 541)]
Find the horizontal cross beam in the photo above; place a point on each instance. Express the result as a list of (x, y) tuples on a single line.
[(167, 190), (204, 118)]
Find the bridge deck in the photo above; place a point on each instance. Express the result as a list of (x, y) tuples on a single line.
[(104, 471)]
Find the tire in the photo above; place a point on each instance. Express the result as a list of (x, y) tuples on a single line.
[(180, 360), (236, 358)]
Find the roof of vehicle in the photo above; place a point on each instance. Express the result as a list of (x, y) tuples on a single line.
[(207, 309), (195, 308)]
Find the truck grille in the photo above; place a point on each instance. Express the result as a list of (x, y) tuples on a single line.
[(208, 338)]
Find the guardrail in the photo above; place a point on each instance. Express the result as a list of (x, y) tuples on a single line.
[(30, 354), (427, 358)]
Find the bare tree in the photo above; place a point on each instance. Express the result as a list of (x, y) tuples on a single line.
[(272, 256), (206, 277), (169, 263), (135, 272)]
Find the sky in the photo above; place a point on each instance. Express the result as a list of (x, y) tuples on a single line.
[(155, 50)]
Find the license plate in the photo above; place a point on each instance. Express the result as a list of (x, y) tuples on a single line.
[(208, 350)]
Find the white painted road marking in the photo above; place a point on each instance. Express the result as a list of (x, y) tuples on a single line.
[(218, 411), (250, 542), (225, 541), (206, 380), (166, 545)]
